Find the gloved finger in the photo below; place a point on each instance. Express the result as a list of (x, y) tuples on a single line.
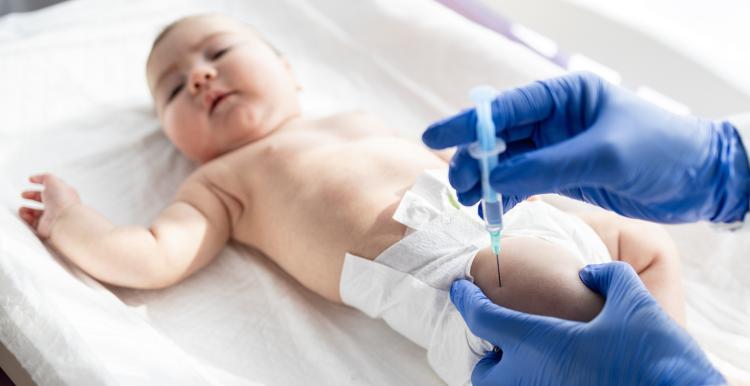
[(483, 372), (463, 171), (514, 112), (516, 148), (617, 282), (452, 131), (570, 164), (520, 132), (471, 197), (601, 278), (606, 199), (580, 194), (501, 326), (596, 196), (510, 201)]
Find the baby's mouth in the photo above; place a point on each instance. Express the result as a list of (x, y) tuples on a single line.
[(218, 100)]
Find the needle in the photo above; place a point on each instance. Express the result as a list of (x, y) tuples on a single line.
[(497, 259)]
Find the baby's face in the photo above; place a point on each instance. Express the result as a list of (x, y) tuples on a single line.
[(217, 86)]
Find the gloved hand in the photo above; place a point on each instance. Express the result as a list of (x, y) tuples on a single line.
[(631, 342), (582, 137)]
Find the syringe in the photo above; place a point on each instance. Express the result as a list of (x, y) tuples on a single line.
[(485, 150)]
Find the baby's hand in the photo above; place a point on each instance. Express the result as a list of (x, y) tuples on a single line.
[(56, 197)]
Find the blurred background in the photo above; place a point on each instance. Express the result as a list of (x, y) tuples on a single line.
[(691, 56), (695, 52)]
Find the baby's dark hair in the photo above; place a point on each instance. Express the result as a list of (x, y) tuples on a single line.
[(165, 31)]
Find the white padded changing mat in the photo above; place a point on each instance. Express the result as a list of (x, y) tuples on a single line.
[(75, 103)]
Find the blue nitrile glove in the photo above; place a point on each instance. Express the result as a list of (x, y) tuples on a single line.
[(631, 342), (582, 137)]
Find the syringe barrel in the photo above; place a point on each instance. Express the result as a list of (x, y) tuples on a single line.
[(486, 150), (493, 214)]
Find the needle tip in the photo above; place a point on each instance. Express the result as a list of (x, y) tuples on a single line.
[(497, 259)]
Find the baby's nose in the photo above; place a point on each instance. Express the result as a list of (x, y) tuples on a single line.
[(200, 77)]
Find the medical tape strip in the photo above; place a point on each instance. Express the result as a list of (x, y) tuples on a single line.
[(430, 198), (445, 239)]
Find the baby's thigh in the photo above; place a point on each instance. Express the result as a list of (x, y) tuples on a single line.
[(538, 277)]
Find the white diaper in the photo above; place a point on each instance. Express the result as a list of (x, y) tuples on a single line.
[(408, 284)]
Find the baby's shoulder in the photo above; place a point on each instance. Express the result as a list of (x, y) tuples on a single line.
[(214, 182), (352, 116), (360, 121), (216, 173)]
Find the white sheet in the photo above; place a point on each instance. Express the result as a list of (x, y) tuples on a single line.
[(75, 103)]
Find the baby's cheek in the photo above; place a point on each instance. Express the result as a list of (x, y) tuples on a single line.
[(186, 134)]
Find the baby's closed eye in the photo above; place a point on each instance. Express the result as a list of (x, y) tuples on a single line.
[(176, 90), (218, 54)]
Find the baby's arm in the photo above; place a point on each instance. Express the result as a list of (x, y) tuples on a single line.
[(651, 252), (186, 236)]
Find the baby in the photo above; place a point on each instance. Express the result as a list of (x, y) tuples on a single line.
[(339, 203)]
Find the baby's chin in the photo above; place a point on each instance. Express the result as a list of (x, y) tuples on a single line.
[(239, 123), (234, 130), (228, 145)]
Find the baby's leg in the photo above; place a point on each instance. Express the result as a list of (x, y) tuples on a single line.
[(542, 278), (651, 252), (538, 277)]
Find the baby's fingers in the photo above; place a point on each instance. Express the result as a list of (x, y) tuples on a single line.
[(31, 216), (30, 212), (32, 195), (38, 178)]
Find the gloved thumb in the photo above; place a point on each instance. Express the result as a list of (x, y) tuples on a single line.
[(616, 281), (568, 164), (483, 369), (512, 112), (501, 326)]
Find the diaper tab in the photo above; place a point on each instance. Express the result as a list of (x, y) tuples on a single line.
[(414, 211), (430, 202)]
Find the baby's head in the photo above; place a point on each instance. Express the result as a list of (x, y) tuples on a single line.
[(218, 85)]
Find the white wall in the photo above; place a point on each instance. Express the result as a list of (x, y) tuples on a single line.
[(692, 51)]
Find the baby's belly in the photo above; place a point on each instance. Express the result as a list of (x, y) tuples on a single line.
[(311, 213), (309, 238)]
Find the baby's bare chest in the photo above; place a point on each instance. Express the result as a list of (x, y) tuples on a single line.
[(330, 190), (328, 168), (330, 185)]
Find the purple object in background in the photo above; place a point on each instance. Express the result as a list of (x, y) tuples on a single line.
[(479, 13)]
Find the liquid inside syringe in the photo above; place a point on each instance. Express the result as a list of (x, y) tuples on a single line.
[(493, 222)]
